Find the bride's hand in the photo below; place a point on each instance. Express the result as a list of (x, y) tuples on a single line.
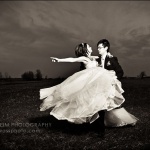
[(109, 55), (112, 72), (54, 59)]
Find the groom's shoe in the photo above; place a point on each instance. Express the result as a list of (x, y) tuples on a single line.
[(101, 129), (101, 134)]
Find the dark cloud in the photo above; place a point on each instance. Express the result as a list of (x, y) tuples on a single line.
[(137, 43), (32, 31)]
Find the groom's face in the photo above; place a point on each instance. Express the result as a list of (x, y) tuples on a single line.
[(101, 49)]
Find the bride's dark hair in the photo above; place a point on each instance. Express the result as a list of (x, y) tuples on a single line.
[(81, 50)]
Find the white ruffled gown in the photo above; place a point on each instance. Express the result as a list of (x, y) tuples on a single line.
[(119, 117), (79, 98)]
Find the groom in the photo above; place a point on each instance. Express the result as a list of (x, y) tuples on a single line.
[(109, 63)]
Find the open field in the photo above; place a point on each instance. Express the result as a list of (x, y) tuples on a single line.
[(23, 126)]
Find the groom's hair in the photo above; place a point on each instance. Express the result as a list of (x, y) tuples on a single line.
[(81, 50), (105, 43)]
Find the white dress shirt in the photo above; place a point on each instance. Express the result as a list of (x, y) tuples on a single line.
[(103, 60)]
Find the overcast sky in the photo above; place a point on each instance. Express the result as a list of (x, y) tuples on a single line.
[(32, 31)]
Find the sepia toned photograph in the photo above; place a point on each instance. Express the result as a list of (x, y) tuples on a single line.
[(74, 75)]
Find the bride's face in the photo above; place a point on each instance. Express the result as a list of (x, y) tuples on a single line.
[(89, 48)]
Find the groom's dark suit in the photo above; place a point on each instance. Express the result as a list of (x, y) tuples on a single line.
[(111, 63)]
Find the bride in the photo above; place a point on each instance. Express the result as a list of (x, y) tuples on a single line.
[(81, 96)]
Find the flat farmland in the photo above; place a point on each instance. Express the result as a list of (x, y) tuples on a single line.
[(23, 126)]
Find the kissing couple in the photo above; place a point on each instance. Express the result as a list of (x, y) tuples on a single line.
[(93, 93)]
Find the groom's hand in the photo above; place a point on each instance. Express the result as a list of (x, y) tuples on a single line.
[(109, 55)]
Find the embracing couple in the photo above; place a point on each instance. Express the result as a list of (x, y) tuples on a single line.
[(94, 93)]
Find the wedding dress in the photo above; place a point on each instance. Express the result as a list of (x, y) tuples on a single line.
[(119, 117), (79, 98)]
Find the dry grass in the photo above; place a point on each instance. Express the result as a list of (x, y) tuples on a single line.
[(20, 104)]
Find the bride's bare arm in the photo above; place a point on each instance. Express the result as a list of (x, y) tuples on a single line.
[(94, 57), (79, 59)]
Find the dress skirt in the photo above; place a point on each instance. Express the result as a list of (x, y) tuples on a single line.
[(81, 96)]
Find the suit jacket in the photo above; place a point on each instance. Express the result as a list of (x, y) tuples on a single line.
[(112, 64), (82, 66)]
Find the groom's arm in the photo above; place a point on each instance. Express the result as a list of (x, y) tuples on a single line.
[(117, 68), (82, 66)]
